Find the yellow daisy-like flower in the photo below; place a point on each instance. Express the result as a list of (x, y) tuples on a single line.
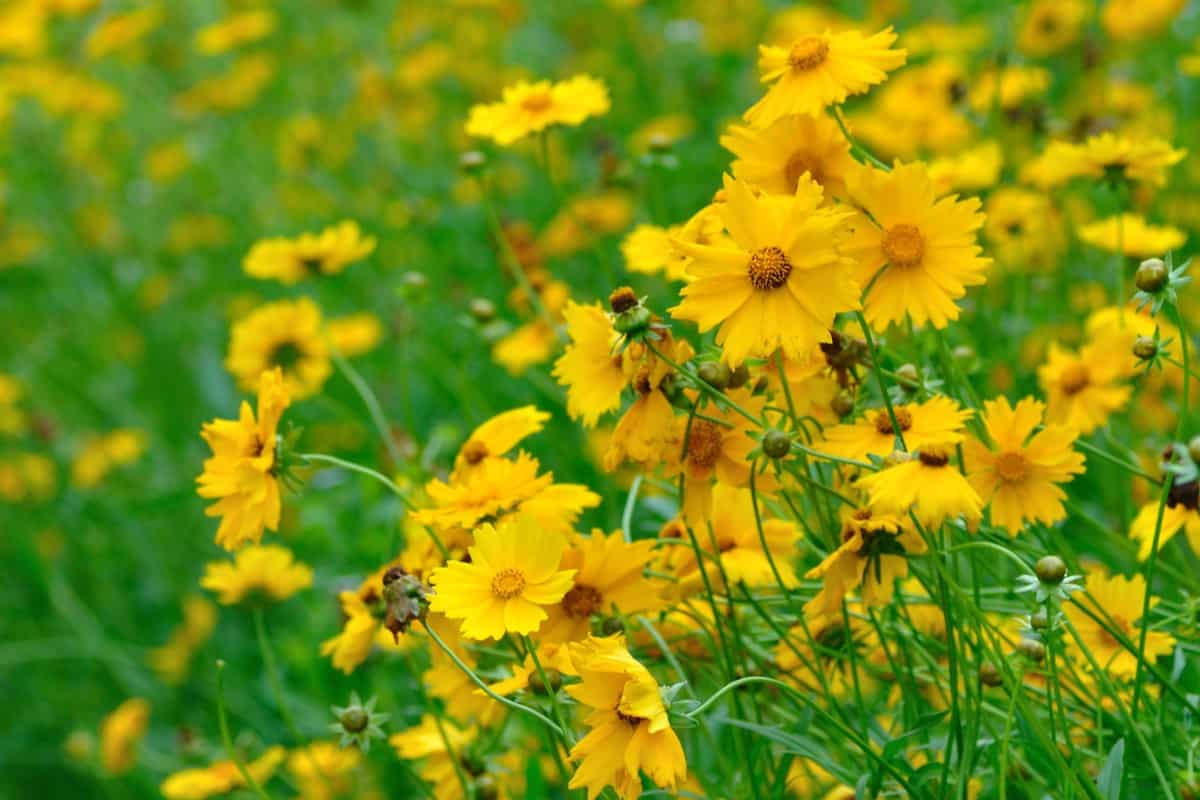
[(437, 742), (1023, 228), (1107, 155), (235, 30), (221, 777), (1118, 600), (241, 475), (364, 612), (292, 260), (917, 253), (1082, 388), (324, 770), (630, 731), (1019, 475), (264, 570), (1181, 513), (938, 420), (1130, 20), (497, 436), (1050, 26), (285, 334), (590, 367), (531, 107), (512, 573), (774, 158), (970, 170), (1007, 88), (355, 334), (780, 282), (102, 454), (818, 71), (171, 661), (927, 484), (1131, 235), (715, 449), (119, 734)]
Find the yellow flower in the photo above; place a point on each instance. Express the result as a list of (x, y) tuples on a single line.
[(774, 158), (497, 436), (590, 367), (512, 573), (532, 107), (648, 250), (238, 87), (438, 742), (970, 170), (938, 420), (1129, 20), (817, 71), (362, 629), (645, 433), (1082, 388), (1117, 600), (355, 334), (1024, 229), (324, 770), (308, 255), (120, 31), (268, 570), (1131, 235), (1050, 26), (101, 454), (171, 661), (873, 554), (285, 334), (711, 449), (1181, 512), (1107, 155), (242, 473), (1019, 475), (779, 283), (927, 484), (630, 731), (1007, 88), (446, 681), (221, 777), (235, 30), (119, 734), (917, 253), (821, 653), (532, 343)]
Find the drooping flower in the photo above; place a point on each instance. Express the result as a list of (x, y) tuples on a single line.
[(310, 254), (774, 158), (1117, 601), (715, 448), (532, 107), (285, 334), (220, 777), (928, 485), (497, 436), (938, 420), (873, 554), (1082, 389), (266, 571)]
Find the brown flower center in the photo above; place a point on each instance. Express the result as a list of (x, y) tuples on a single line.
[(629, 718), (474, 451), (581, 602), (934, 457), (1011, 467), (904, 245), (768, 268), (285, 355), (537, 102), (704, 443), (808, 53), (508, 583), (883, 422), (1075, 379), (797, 165)]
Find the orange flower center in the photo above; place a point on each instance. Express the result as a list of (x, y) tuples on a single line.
[(581, 601), (768, 268), (537, 102), (934, 457), (1075, 378), (883, 423), (508, 583), (704, 443), (903, 245), (808, 53), (797, 165), (1011, 467), (474, 451)]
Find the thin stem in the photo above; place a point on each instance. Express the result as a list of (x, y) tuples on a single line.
[(855, 147), (227, 740), (509, 257), (371, 402), (877, 369), (630, 504)]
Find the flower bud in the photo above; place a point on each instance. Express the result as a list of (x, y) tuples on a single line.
[(897, 457), (354, 720), (1194, 449), (1050, 569), (842, 403), (777, 444), (989, 675), (909, 375), (482, 309), (1151, 275), (1040, 620), (660, 143), (964, 352), (472, 161), (739, 377), (611, 625), (715, 374), (1032, 649), (634, 320), (1145, 348), (622, 299)]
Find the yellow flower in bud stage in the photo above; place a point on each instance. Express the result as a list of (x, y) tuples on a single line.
[(220, 778), (817, 71), (1131, 20), (497, 436), (781, 280), (630, 731), (1181, 513), (1082, 389), (285, 334), (1106, 156), (512, 574), (1131, 235), (102, 454), (532, 107), (437, 742), (309, 255), (1018, 476), (718, 450), (242, 473), (823, 650), (324, 770), (774, 158), (938, 420), (235, 30), (1117, 600), (590, 367), (171, 661), (917, 253), (928, 485), (355, 334), (120, 733), (262, 571), (873, 554), (1050, 26)]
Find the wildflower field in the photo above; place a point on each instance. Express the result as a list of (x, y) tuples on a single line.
[(517, 399)]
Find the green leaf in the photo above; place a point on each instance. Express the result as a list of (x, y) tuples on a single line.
[(1114, 770)]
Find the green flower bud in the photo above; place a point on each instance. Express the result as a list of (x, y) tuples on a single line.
[(1145, 348), (1050, 569), (1151, 275), (1032, 649), (777, 444), (715, 374), (739, 377)]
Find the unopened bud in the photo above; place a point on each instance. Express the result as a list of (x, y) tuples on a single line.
[(482, 309), (472, 161), (989, 675), (1040, 620), (715, 374), (1194, 449), (897, 457), (909, 375), (1050, 569), (1032, 649), (549, 686), (1145, 348), (739, 377), (777, 444), (842, 403), (1151, 275)]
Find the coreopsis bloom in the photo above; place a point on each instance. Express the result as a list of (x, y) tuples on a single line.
[(590, 367), (781, 280), (1050, 26), (630, 731), (938, 420), (170, 661), (1130, 20), (822, 650), (650, 249), (242, 475), (308, 255), (324, 770), (102, 454), (120, 733), (970, 170), (235, 30), (873, 554), (818, 71), (1106, 156), (1008, 88), (1019, 475), (285, 334), (1181, 512), (512, 574), (1023, 229), (269, 572), (527, 108), (917, 253), (529, 344), (715, 449), (1132, 235), (1118, 601), (497, 436), (364, 612), (122, 30), (355, 334), (774, 158), (1082, 389), (437, 743), (928, 485), (221, 777)]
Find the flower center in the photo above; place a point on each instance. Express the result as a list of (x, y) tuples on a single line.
[(903, 245), (768, 268), (883, 423), (508, 583), (1074, 379), (934, 457), (285, 355), (581, 601), (1011, 467), (1186, 494), (808, 53), (537, 102), (797, 165), (704, 443), (474, 451), (629, 718)]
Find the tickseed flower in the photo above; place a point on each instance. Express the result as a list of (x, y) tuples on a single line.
[(1082, 388), (1181, 512), (120, 733), (104, 453), (285, 334), (918, 253), (235, 30), (171, 661), (308, 255), (512, 574), (938, 420), (873, 554), (532, 107), (497, 436), (774, 158), (1131, 235), (323, 770), (1106, 156), (715, 448), (1131, 20), (630, 731), (781, 281), (1019, 476), (1117, 601), (358, 723), (1050, 26), (363, 629), (928, 484), (220, 777), (817, 71), (591, 367), (258, 572), (437, 742), (243, 473)]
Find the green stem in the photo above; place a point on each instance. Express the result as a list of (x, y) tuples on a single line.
[(227, 740), (877, 369), (371, 402)]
